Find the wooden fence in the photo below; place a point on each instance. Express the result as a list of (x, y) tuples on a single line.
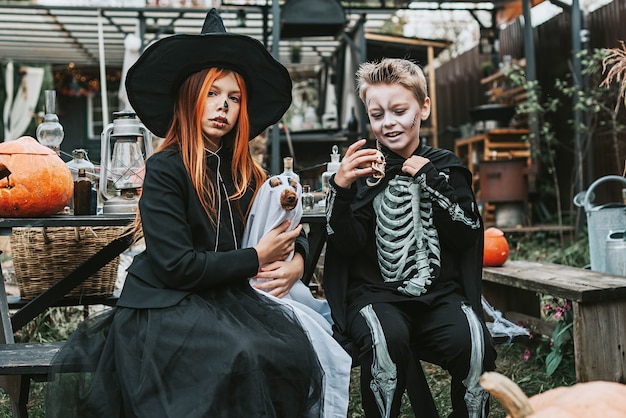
[(459, 89)]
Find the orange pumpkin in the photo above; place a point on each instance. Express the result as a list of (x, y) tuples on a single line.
[(496, 250), (39, 183), (598, 399)]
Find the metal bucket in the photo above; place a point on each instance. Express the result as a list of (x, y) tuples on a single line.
[(616, 253), (601, 220), (509, 214)]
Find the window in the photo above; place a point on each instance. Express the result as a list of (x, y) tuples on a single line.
[(95, 125)]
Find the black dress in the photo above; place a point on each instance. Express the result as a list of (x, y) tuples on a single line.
[(189, 337)]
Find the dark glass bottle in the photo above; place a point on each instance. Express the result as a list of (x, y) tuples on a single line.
[(352, 128), (82, 194), (353, 122)]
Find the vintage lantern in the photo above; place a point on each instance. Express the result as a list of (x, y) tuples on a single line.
[(123, 170), (50, 131)]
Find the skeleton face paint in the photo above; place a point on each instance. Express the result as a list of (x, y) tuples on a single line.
[(223, 95), (393, 113)]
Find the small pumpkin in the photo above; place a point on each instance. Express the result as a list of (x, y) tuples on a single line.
[(35, 180), (597, 399), (496, 250)]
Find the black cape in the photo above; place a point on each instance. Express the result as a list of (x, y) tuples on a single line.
[(336, 267)]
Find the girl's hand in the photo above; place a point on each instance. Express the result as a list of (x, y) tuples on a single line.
[(277, 244), (282, 274), (356, 163)]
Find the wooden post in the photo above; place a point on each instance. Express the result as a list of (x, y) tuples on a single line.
[(11, 384), (433, 97), (600, 341)]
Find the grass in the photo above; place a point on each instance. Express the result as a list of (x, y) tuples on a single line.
[(58, 323), (529, 375)]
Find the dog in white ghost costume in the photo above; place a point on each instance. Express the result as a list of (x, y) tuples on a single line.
[(278, 199)]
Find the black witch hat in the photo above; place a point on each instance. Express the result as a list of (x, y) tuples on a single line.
[(153, 81)]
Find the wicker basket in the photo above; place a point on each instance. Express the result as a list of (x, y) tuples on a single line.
[(43, 256)]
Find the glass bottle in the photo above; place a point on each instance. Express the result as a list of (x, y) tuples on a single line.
[(82, 194), (353, 122), (50, 131), (331, 168), (80, 160), (288, 169), (308, 200), (352, 128)]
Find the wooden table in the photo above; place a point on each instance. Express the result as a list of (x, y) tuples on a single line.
[(28, 310), (15, 367)]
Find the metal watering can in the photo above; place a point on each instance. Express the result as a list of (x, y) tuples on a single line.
[(602, 221), (616, 253)]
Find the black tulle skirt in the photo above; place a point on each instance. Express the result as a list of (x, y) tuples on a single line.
[(227, 354)]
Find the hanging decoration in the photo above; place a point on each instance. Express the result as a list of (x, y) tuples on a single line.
[(81, 82)]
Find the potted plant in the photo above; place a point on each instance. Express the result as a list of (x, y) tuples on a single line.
[(296, 53), (616, 60)]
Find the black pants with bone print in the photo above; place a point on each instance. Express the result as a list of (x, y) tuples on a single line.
[(391, 337)]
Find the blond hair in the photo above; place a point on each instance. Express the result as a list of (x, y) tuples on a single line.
[(392, 71)]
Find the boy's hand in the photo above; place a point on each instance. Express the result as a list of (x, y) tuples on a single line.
[(414, 164), (356, 163)]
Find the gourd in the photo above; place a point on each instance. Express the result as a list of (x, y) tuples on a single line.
[(496, 250), (35, 181), (597, 399)]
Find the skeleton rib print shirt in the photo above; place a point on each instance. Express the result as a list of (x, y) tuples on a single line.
[(403, 234), (406, 238)]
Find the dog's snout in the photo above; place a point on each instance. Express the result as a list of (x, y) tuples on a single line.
[(288, 199)]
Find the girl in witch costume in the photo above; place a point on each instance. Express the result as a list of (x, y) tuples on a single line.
[(404, 255), (189, 336)]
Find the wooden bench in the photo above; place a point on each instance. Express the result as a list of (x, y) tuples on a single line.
[(599, 304), (27, 359), (21, 363)]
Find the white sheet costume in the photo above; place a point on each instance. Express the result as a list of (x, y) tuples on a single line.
[(314, 314), (266, 214)]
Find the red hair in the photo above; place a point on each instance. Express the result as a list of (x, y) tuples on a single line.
[(186, 135)]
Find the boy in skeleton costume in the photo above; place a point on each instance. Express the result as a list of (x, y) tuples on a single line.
[(404, 255)]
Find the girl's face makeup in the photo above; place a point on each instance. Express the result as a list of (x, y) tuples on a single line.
[(221, 110), (395, 117)]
